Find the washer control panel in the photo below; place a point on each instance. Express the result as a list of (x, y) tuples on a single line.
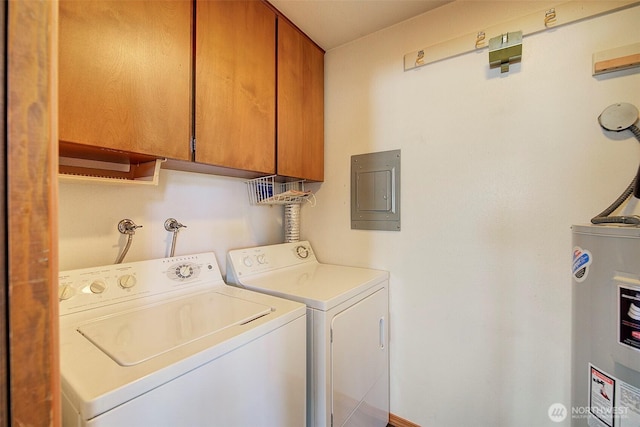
[(245, 262), (94, 287)]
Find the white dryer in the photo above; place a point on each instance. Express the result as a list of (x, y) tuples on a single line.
[(166, 343), (347, 328)]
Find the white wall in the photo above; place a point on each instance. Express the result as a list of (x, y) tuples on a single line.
[(215, 210), (495, 169)]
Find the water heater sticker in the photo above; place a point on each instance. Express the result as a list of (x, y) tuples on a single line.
[(602, 389), (582, 259), (629, 316), (612, 402)]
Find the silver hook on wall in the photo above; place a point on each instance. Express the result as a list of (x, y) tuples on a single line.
[(504, 50)]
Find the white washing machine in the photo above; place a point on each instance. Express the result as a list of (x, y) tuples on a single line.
[(166, 343), (347, 328)]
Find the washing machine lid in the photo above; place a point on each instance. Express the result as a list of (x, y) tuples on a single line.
[(319, 286), (133, 337), (93, 383)]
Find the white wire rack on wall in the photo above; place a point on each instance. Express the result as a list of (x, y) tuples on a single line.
[(266, 191)]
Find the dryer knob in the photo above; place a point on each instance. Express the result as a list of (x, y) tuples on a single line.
[(65, 292), (98, 287), (127, 281), (247, 261)]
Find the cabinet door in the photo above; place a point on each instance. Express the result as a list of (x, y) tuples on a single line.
[(235, 85), (125, 75), (300, 105)]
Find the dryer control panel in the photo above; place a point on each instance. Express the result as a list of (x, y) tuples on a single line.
[(95, 287), (261, 259)]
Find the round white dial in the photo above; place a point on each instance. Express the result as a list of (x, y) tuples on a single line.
[(127, 281), (65, 292), (247, 261), (262, 259), (184, 271), (98, 287)]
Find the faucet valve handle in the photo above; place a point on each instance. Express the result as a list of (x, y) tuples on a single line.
[(173, 225), (127, 226)]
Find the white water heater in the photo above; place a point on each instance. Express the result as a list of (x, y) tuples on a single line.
[(606, 326)]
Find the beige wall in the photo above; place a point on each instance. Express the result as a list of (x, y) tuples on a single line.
[(495, 169), (215, 210)]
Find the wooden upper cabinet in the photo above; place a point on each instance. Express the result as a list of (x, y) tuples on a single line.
[(145, 76), (235, 90), (125, 75), (300, 105)]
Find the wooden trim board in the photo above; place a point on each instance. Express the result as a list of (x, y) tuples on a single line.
[(31, 192), (396, 421)]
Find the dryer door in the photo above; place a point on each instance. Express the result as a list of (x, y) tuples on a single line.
[(360, 363)]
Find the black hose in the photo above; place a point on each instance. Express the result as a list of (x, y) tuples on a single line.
[(636, 191)]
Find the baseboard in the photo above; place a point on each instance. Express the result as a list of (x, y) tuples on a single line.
[(396, 421)]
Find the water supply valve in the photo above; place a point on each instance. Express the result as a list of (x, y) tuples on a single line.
[(127, 226), (173, 226)]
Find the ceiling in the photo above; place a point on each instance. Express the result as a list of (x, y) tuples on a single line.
[(332, 23)]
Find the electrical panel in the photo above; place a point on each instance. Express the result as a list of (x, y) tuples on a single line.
[(375, 191)]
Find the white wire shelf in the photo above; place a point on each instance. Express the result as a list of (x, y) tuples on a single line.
[(266, 191)]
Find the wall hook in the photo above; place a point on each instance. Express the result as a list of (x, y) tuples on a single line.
[(420, 58), (480, 39), (550, 17)]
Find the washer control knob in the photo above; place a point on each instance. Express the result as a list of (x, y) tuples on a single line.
[(65, 292), (127, 281), (184, 271), (262, 259), (247, 261), (98, 287)]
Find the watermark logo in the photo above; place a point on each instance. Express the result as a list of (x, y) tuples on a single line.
[(557, 412)]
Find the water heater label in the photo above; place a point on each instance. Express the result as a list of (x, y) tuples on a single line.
[(582, 259), (612, 402), (629, 316), (602, 398)]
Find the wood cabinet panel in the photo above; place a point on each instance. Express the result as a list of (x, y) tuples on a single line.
[(143, 76), (33, 380), (125, 75), (4, 249), (300, 105), (235, 85)]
